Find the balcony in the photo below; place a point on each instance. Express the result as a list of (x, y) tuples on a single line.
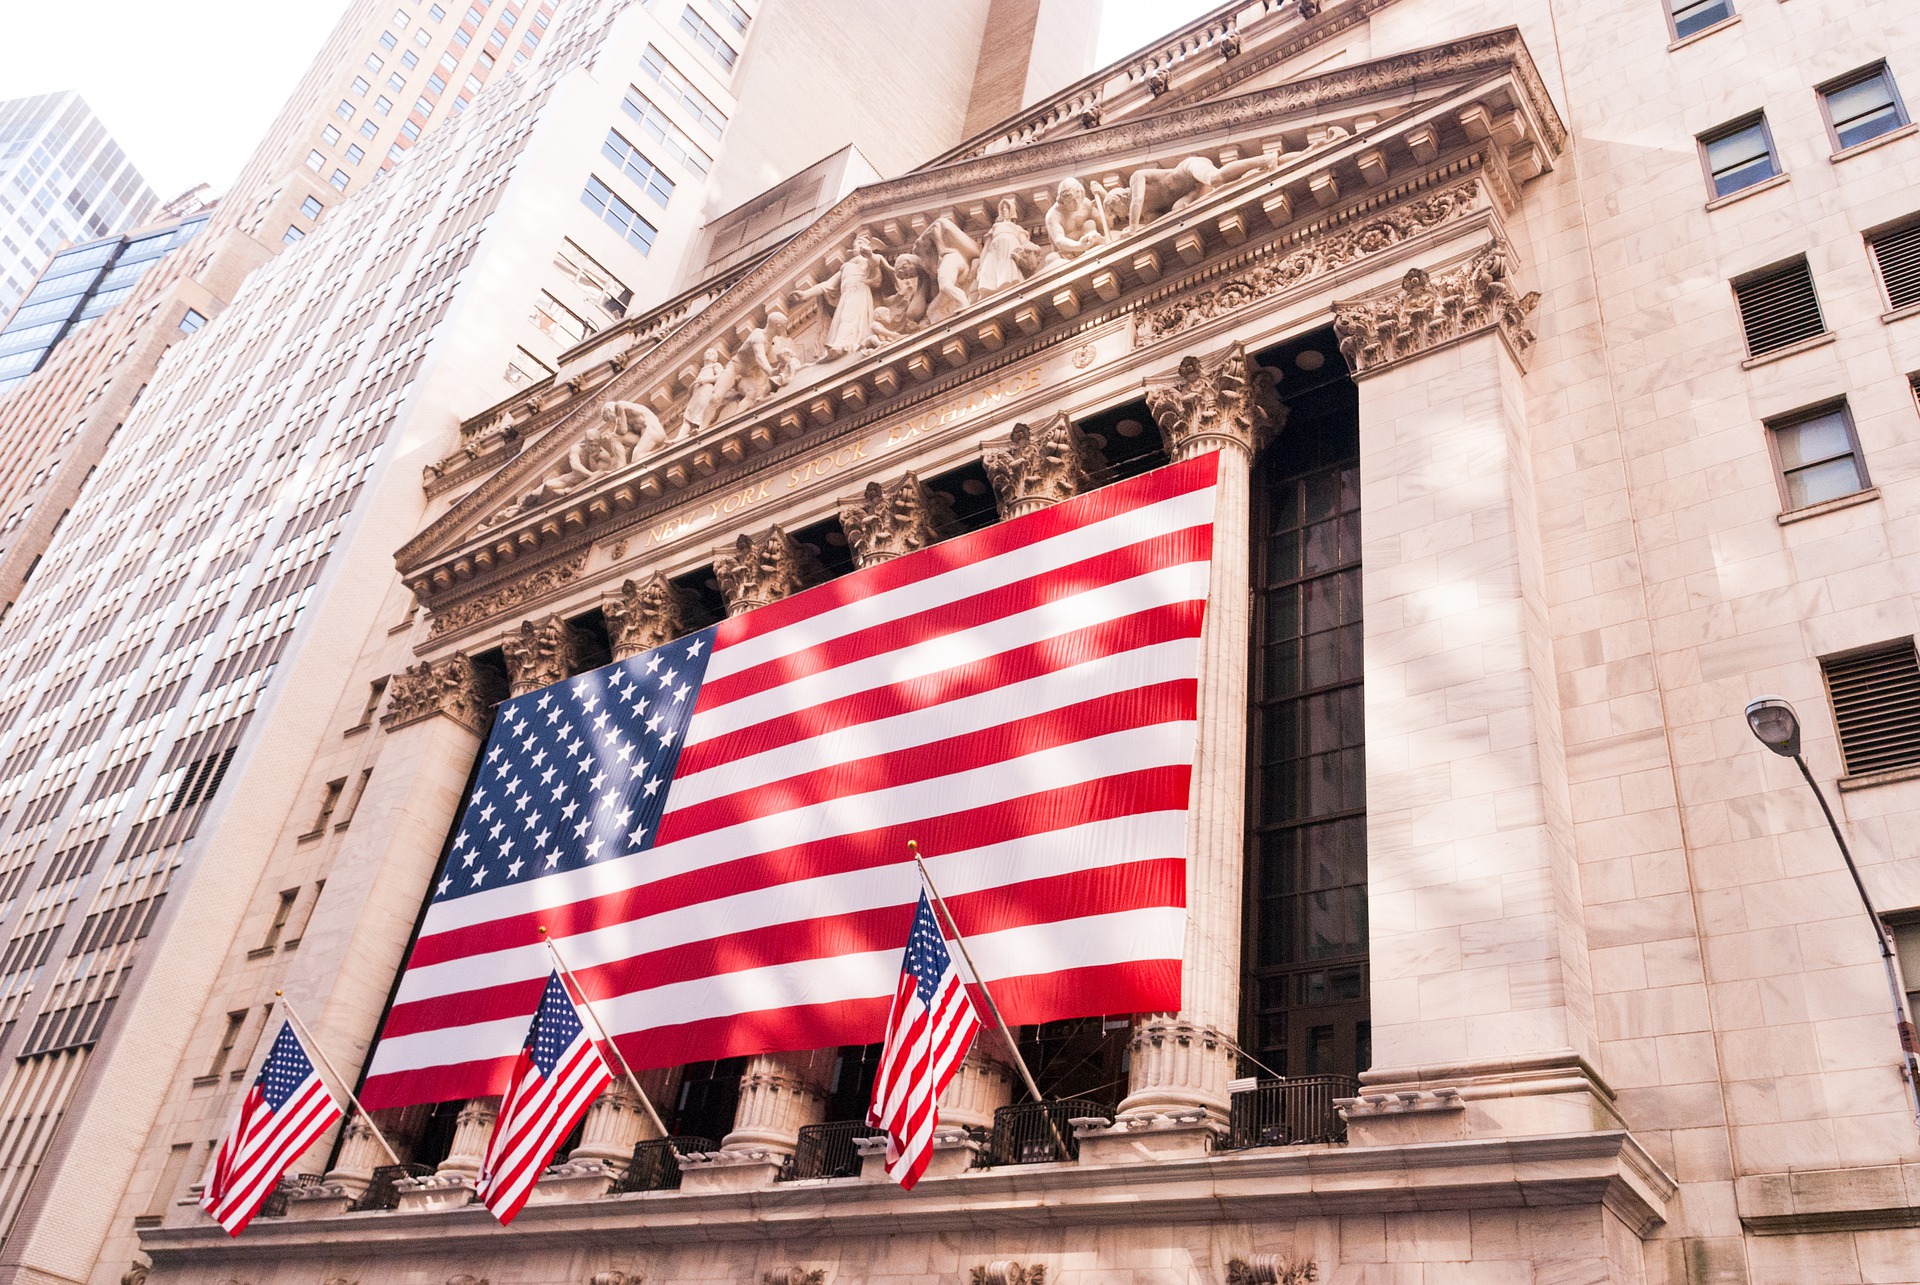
[(655, 1165), (1282, 1113), (381, 1192), (1036, 1133), (827, 1150)]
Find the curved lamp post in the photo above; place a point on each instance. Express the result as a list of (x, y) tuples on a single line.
[(1777, 727)]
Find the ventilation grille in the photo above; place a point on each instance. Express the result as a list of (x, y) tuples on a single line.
[(1876, 703), (1779, 308), (1898, 254)]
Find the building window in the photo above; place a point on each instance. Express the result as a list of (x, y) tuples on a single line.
[(228, 1038), (383, 104), (436, 12), (1739, 155), (409, 60), (618, 215), (423, 106), (396, 82), (1862, 105), (344, 110), (355, 154), (281, 913), (400, 19), (395, 152), (191, 322), (328, 802), (374, 63), (311, 207), (681, 93), (1818, 456), (1876, 706), (330, 135), (735, 16), (1689, 16), (707, 38), (653, 121), (448, 62), (291, 235), (1906, 944), (436, 83), (1778, 307), (409, 130), (1896, 256), (360, 86), (637, 167), (559, 322), (353, 803), (315, 160), (339, 180), (1306, 989), (421, 38), (368, 129), (388, 40)]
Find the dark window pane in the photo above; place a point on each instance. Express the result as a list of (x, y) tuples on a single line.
[(1690, 16)]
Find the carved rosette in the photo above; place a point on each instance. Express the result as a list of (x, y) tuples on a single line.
[(757, 572), (541, 654), (893, 518), (449, 686), (1430, 309), (1041, 464), (1007, 1272), (646, 614), (1224, 402)]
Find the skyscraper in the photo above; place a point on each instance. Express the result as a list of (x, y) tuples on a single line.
[(198, 620), (61, 179)]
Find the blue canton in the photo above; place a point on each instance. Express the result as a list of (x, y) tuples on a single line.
[(927, 958), (555, 1027), (286, 1069), (578, 772)]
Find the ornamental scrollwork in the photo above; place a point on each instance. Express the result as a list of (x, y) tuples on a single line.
[(1432, 308), (1006, 1272), (1271, 1269), (486, 606), (449, 686), (1223, 402), (757, 572), (892, 518), (646, 614)]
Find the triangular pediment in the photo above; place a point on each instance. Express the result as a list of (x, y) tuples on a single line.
[(907, 283)]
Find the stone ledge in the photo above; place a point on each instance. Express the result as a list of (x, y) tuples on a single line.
[(1600, 1168), (1875, 1198)]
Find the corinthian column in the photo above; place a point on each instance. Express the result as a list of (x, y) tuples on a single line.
[(644, 615), (780, 1092), (472, 1130), (540, 655), (1041, 464), (1181, 1062), (901, 516)]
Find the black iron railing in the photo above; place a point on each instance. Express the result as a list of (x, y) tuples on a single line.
[(381, 1193), (1032, 1133), (655, 1165), (276, 1202), (826, 1150), (1279, 1113)]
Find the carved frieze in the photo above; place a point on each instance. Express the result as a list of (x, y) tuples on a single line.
[(483, 607), (1041, 464), (450, 686), (646, 614), (1271, 1269), (892, 518), (614, 1276), (795, 1276), (757, 572), (1429, 309), (541, 654), (1223, 402), (1007, 1272), (1316, 257)]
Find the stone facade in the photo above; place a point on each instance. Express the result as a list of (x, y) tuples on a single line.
[(1624, 1022)]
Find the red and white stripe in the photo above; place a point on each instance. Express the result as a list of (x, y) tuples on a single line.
[(260, 1146), (536, 1116), (1020, 700), (923, 1052)]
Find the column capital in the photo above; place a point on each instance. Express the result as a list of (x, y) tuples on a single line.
[(449, 686), (1222, 402), (1041, 464), (1429, 309), (759, 571), (892, 518), (646, 614), (540, 654)]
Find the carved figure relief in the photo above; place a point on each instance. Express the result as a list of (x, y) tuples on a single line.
[(850, 291), (952, 253), (700, 402), (794, 1276), (449, 686), (1223, 402), (497, 602), (766, 360), (1077, 221), (1433, 308), (1156, 193), (647, 614), (134, 1275), (1006, 1272), (899, 517), (614, 1276), (540, 654), (633, 430), (1040, 465), (1271, 1269), (765, 570)]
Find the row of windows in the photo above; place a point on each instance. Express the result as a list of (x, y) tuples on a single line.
[(1859, 107), (618, 215)]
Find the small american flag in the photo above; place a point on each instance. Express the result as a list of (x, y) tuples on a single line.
[(283, 1114), (928, 1032), (713, 828), (558, 1076)]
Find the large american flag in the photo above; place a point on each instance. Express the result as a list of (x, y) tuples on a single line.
[(285, 1111), (929, 1029), (555, 1079), (717, 827)]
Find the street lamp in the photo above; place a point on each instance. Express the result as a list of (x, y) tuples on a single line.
[(1777, 727)]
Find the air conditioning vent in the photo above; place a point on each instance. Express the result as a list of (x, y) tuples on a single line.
[(1876, 705), (1778, 308), (1897, 252)]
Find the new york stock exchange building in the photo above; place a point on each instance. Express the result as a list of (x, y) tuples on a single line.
[(1552, 387)]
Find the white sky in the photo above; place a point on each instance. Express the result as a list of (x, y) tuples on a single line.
[(151, 69)]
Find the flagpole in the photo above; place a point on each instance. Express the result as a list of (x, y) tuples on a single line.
[(981, 982), (632, 1081), (300, 1026)]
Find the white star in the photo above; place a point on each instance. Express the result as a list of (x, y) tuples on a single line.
[(653, 724), (520, 804), (591, 703), (666, 737), (506, 848), (609, 799), (478, 795), (639, 834), (560, 791), (639, 708), (498, 826), (639, 768), (585, 764), (546, 777), (555, 714), (653, 662), (623, 816), (537, 759), (693, 648), (540, 840), (567, 812), (530, 820), (623, 752), (652, 786), (546, 699), (529, 742), (593, 849), (460, 842), (599, 779), (666, 679), (486, 813), (479, 875), (553, 858), (581, 829), (600, 722), (680, 694), (445, 884), (493, 755), (513, 871), (466, 861), (513, 787)]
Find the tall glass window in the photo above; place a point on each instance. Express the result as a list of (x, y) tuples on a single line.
[(1305, 993)]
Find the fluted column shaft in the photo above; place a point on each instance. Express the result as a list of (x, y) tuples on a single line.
[(471, 1133)]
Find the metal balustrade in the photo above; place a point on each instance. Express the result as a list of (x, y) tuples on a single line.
[(655, 1165), (826, 1150), (1032, 1133), (1279, 1113), (381, 1193)]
